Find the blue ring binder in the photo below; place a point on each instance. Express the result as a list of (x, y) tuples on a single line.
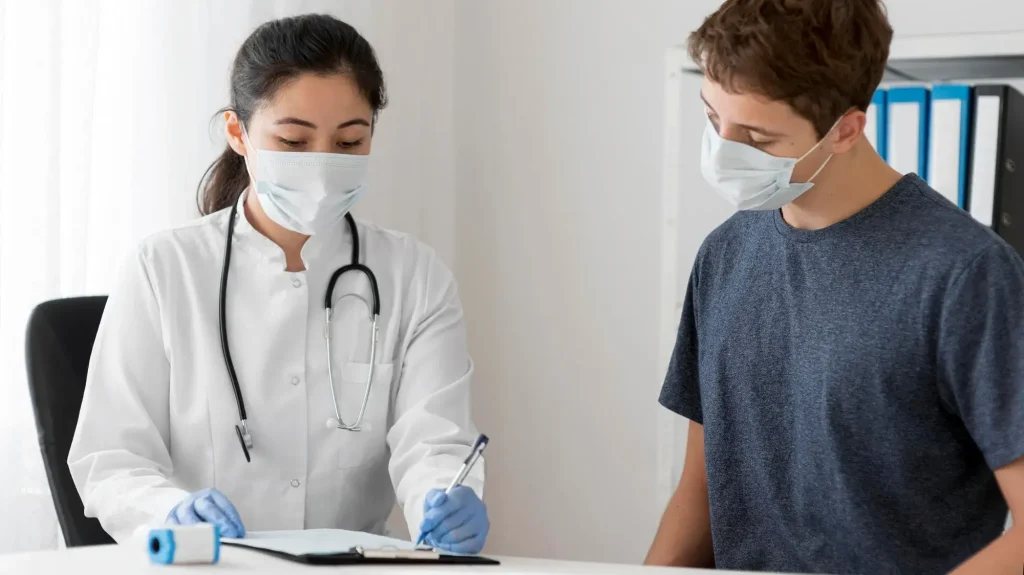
[(914, 95)]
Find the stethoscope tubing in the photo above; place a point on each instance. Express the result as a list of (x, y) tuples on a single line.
[(242, 428)]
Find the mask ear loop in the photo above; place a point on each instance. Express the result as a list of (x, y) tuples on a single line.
[(248, 150), (825, 163), (815, 147)]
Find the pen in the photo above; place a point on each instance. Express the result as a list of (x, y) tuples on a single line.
[(467, 466)]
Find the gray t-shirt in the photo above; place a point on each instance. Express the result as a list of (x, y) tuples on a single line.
[(857, 386)]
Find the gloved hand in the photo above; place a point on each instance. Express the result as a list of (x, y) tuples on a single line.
[(456, 522), (208, 506)]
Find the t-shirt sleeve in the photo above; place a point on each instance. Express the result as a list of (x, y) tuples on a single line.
[(981, 352), (681, 390)]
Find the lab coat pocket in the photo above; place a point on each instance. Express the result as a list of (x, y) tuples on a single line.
[(368, 445)]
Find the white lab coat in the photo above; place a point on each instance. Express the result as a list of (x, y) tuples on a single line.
[(158, 415)]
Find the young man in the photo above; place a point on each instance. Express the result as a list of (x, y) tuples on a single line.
[(851, 350)]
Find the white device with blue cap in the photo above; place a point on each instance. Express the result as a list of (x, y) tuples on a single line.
[(184, 544)]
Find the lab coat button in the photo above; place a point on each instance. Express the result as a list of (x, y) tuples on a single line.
[(295, 381), (295, 482), (297, 283)]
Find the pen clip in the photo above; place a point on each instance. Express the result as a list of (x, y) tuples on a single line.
[(467, 465)]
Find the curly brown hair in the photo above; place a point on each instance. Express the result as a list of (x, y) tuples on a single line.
[(822, 57)]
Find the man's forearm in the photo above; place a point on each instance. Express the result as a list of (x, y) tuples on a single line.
[(1005, 555), (684, 536)]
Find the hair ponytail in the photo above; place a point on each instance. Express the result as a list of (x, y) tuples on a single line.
[(223, 182), (273, 54)]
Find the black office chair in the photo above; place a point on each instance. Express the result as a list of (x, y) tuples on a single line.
[(57, 349)]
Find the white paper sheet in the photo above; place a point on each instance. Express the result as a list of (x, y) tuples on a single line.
[(317, 541)]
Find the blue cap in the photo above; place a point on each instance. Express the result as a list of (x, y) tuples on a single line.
[(161, 546), (216, 543)]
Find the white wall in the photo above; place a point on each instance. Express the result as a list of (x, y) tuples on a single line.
[(559, 129), (413, 174), (984, 16)]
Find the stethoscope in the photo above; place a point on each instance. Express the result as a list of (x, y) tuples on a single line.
[(242, 428)]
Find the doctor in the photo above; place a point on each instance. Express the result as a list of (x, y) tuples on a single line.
[(306, 438)]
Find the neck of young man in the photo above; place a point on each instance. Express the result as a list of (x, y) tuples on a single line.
[(850, 183), (289, 241)]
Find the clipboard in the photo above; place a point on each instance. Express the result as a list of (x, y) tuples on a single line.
[(378, 556)]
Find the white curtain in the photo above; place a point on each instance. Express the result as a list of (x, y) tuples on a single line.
[(105, 130)]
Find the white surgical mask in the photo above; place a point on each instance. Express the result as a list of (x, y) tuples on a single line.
[(305, 191), (749, 178)]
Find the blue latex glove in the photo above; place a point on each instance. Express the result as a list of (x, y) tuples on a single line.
[(456, 522), (208, 506)]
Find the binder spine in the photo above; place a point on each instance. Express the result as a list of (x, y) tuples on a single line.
[(963, 95), (882, 123), (1008, 219), (919, 96)]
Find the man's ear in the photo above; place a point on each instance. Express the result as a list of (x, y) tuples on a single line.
[(233, 132), (848, 131)]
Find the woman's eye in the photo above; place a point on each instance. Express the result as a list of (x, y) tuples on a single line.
[(347, 145), (290, 143), (762, 143)]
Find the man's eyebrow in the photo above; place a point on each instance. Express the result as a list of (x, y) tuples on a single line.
[(755, 129)]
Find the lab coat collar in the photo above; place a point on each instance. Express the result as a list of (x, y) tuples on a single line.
[(323, 242)]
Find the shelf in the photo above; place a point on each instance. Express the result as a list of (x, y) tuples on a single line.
[(934, 70), (950, 57)]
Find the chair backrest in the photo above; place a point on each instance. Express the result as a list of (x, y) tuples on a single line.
[(57, 349)]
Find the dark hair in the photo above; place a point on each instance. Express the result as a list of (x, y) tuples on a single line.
[(275, 53), (822, 57)]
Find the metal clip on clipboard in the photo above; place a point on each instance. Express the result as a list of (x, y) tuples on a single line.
[(319, 547), (395, 553)]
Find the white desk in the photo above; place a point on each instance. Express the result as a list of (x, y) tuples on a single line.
[(115, 560)]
